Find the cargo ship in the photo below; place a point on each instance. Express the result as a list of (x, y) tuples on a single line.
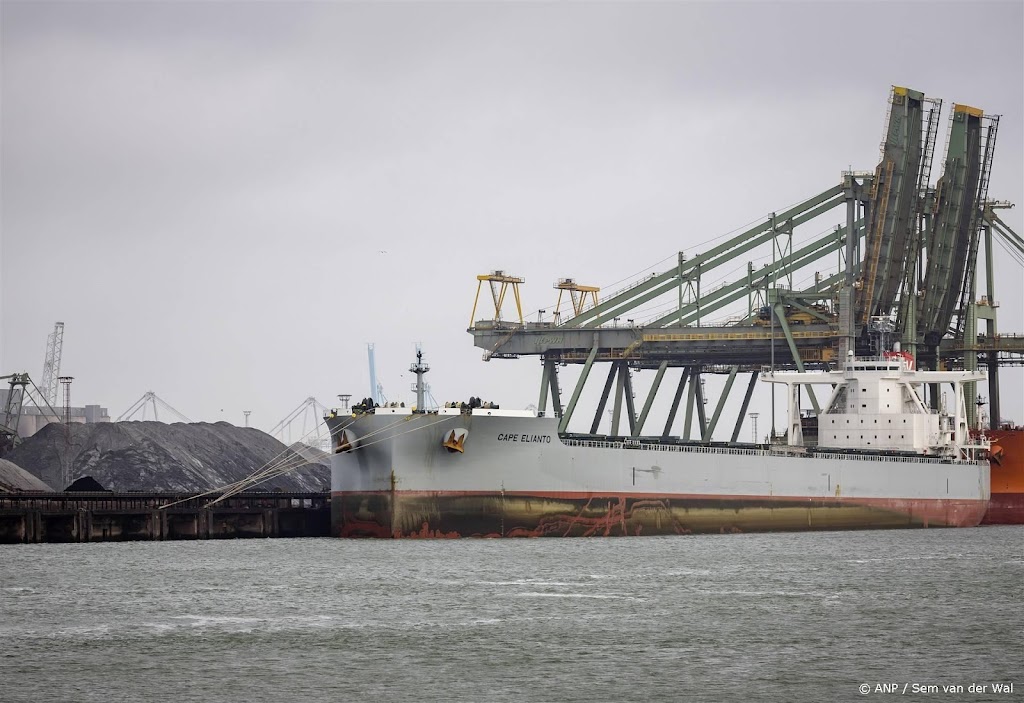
[(883, 459), (1007, 459)]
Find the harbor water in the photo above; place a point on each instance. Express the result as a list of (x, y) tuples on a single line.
[(767, 617)]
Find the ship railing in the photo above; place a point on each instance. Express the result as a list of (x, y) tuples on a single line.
[(898, 459), (635, 445), (743, 451)]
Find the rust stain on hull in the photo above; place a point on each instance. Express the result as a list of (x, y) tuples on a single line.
[(468, 514)]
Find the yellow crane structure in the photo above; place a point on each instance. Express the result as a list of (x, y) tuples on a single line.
[(499, 282), (579, 296)]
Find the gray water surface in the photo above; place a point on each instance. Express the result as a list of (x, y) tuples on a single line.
[(777, 617)]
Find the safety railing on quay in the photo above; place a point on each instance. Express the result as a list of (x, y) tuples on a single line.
[(151, 501)]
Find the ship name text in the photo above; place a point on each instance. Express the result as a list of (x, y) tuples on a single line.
[(509, 437)]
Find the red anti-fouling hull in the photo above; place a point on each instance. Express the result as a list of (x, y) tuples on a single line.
[(1005, 509), (528, 514)]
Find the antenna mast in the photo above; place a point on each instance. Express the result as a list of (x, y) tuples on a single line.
[(419, 368)]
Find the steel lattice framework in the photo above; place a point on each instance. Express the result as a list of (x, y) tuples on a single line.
[(905, 251), (51, 366)]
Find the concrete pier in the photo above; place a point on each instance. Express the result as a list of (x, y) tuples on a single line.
[(106, 517)]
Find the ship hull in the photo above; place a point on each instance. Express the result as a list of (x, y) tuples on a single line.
[(449, 515), (517, 478), (1007, 504)]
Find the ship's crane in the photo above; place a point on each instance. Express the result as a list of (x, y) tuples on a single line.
[(51, 366)]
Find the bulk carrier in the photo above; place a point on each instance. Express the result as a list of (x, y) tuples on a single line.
[(891, 447), (883, 459)]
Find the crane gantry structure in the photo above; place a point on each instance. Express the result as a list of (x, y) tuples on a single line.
[(904, 251), (150, 401), (314, 432), (21, 389)]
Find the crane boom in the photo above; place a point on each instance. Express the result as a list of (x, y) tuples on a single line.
[(51, 367)]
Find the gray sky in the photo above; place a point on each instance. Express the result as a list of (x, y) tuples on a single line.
[(225, 202)]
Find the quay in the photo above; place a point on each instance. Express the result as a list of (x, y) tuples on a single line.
[(32, 517)]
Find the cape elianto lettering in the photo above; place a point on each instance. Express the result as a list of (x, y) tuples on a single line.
[(542, 438)]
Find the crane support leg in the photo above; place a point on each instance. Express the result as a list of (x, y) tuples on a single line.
[(627, 387), (564, 422), (702, 420), (690, 395), (780, 315), (545, 384), (992, 358), (617, 405), (971, 359), (675, 402), (604, 398), (721, 403), (556, 391), (650, 399), (993, 391), (743, 408)]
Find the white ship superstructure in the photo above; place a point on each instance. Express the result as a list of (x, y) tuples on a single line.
[(876, 405)]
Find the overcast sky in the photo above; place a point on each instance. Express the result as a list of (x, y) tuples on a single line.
[(224, 202)]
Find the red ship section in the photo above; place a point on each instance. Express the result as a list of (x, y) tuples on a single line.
[(411, 514), (1007, 461)]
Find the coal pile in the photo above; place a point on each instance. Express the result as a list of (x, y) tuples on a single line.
[(13, 478), (179, 457)]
